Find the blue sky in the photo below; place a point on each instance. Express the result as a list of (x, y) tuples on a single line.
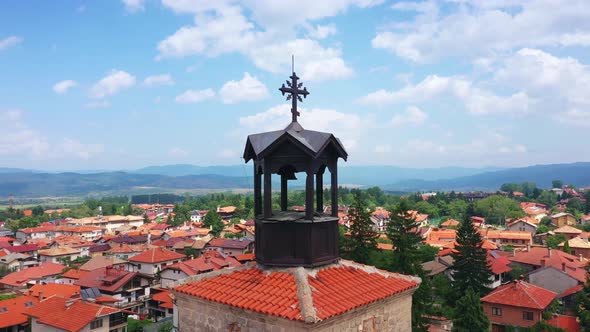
[(127, 84)]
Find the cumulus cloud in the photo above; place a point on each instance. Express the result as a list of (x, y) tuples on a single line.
[(411, 116), (195, 96), (249, 88), (163, 79), (134, 6), (113, 83), (9, 41), (476, 28), (322, 31), (63, 86)]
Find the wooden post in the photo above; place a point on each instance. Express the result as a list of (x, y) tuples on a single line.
[(284, 198), (334, 180), (257, 192), (319, 191), (267, 191), (309, 196)]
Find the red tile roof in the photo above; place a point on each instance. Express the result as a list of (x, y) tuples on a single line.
[(539, 256), (55, 312), (450, 223), (15, 310), (209, 261), (20, 278), (106, 279), (567, 323), (164, 299), (572, 290), (73, 274), (23, 248), (521, 294), (51, 289), (498, 264), (156, 255), (333, 290), (230, 243)]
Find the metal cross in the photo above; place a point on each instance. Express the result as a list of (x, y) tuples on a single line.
[(295, 93)]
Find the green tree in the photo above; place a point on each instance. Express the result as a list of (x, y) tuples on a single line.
[(587, 197), (566, 247), (575, 205), (497, 208), (548, 198), (213, 221), (583, 305), (471, 268), (557, 184), (554, 240), (361, 238), (427, 208), (470, 315), (541, 229)]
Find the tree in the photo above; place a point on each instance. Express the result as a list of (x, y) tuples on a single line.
[(542, 229), (213, 221), (557, 184), (548, 198), (554, 240), (583, 305), (587, 197), (566, 247), (470, 268), (575, 204), (497, 208), (402, 230), (470, 315), (361, 238)]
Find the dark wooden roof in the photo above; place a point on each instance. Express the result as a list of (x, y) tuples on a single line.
[(313, 142)]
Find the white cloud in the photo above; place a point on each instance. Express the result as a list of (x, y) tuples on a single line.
[(64, 86), (195, 96), (222, 27), (98, 104), (412, 116), (134, 6), (481, 28), (249, 88), (476, 100), (9, 42), (177, 152), (72, 147), (163, 79), (111, 84), (322, 31)]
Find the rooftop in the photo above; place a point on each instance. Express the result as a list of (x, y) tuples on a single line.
[(14, 312), (521, 294), (156, 255), (20, 278)]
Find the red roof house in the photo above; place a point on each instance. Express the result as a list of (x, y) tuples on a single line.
[(31, 274), (14, 319), (516, 304)]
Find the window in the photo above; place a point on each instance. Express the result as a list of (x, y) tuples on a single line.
[(527, 315), (95, 324), (139, 266), (496, 311)]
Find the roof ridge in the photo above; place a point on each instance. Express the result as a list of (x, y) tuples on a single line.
[(525, 289), (304, 294)]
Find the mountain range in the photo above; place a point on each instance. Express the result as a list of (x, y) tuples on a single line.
[(179, 178)]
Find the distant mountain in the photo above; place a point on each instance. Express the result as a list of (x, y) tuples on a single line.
[(14, 170), (542, 175), (186, 169)]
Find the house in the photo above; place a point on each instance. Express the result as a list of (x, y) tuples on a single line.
[(450, 223), (568, 231), (578, 247), (89, 233), (71, 276), (232, 247), (13, 319), (160, 305), (99, 262), (98, 249), (562, 219), (420, 218), (500, 266), (211, 260), (439, 265), (534, 210), (566, 323), (27, 249), (154, 260), (478, 222), (17, 262), (198, 215), (43, 291), (110, 223), (516, 304), (59, 314), (125, 289), (537, 257), (503, 238), (522, 225), (124, 250), (32, 275), (439, 237), (58, 254), (552, 278)]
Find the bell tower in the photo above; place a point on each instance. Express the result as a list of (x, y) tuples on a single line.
[(291, 238)]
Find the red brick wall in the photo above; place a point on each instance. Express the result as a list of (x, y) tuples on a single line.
[(511, 315)]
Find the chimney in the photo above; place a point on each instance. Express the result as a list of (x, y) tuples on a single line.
[(21, 264), (549, 252), (40, 295), (563, 267), (436, 258), (581, 258), (542, 262), (513, 252), (528, 247)]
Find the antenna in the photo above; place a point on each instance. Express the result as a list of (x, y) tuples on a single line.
[(292, 63)]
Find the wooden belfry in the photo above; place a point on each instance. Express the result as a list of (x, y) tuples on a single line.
[(289, 238)]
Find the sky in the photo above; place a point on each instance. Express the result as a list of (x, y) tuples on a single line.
[(127, 84)]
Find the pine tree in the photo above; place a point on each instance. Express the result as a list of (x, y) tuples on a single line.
[(470, 314), (402, 230), (213, 220), (470, 268), (362, 239), (583, 305), (566, 247)]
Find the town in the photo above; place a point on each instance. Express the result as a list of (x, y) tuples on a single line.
[(535, 245)]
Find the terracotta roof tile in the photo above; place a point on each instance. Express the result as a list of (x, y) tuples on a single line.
[(521, 294), (20, 278), (156, 255), (334, 289), (567, 323), (15, 310), (51, 289)]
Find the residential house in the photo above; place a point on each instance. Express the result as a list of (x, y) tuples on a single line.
[(534, 210), (161, 304), (88, 233), (503, 238), (99, 262), (232, 247), (98, 249), (12, 317), (152, 261), (552, 278), (478, 222), (27, 249), (420, 218), (450, 223), (58, 254), (500, 266), (578, 247), (59, 314), (71, 276), (43, 291), (568, 231), (198, 215), (17, 262), (562, 219), (442, 264), (522, 225), (125, 251), (226, 212), (110, 223), (537, 257), (565, 323), (516, 304), (439, 238), (211, 260), (32, 275)]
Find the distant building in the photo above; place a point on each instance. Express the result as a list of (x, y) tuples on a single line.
[(563, 219)]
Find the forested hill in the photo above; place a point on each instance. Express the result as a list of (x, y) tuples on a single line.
[(576, 173)]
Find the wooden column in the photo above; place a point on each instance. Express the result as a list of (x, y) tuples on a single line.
[(267, 191), (334, 188), (309, 196), (284, 197), (257, 191), (319, 191)]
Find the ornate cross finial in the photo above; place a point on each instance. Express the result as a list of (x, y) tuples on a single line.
[(295, 93)]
